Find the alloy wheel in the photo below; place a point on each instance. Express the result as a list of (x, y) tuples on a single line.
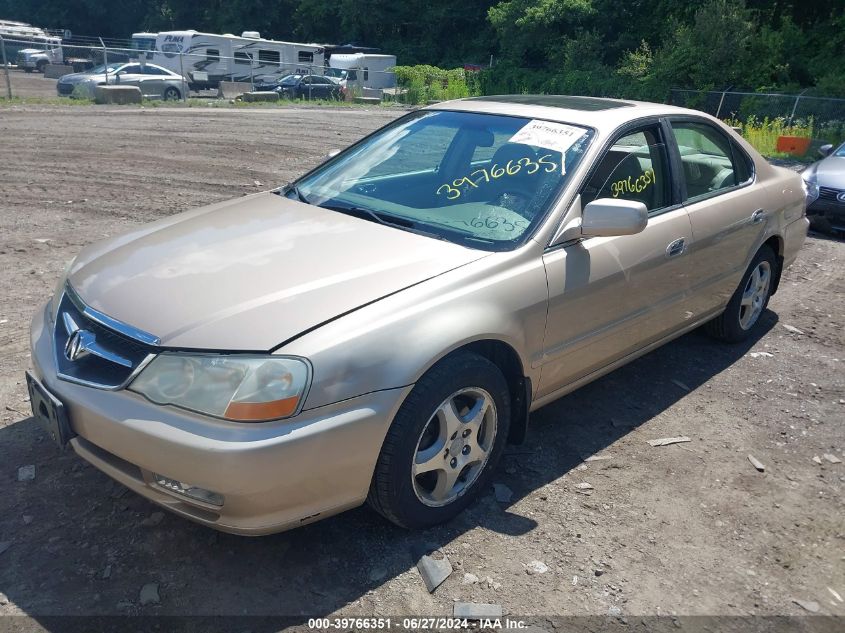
[(454, 446), (755, 294)]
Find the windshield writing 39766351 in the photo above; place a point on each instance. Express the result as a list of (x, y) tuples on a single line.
[(511, 168)]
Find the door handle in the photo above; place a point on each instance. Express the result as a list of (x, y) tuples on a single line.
[(676, 248), (758, 216)]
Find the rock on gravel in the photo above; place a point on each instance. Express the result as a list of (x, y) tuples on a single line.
[(4, 545), (434, 571), (807, 605), (26, 473), (476, 610), (469, 579), (149, 594), (756, 463), (536, 567), (833, 459), (502, 493), (666, 441)]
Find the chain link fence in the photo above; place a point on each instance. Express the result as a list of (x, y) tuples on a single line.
[(294, 74), (743, 105)]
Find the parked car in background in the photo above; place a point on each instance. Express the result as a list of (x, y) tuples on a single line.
[(825, 182), (154, 81), (379, 329), (308, 87)]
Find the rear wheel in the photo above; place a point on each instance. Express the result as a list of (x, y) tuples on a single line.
[(443, 444), (171, 94), (41, 66), (749, 301)]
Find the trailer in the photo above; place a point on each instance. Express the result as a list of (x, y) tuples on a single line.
[(30, 47), (363, 70), (206, 59)]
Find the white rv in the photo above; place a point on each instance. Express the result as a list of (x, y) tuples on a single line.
[(206, 59), (364, 70), (30, 47)]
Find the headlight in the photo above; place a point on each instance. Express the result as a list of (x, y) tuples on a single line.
[(811, 186), (237, 387)]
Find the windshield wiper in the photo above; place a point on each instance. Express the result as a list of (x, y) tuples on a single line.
[(382, 218), (369, 214), (299, 195)]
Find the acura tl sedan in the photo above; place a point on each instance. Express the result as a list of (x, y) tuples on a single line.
[(379, 329), (155, 82)]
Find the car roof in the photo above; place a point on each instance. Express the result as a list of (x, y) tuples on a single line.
[(596, 112)]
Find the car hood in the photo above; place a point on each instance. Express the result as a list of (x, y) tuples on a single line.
[(252, 273), (831, 172)]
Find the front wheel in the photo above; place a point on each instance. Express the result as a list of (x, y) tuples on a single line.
[(443, 444), (171, 94), (748, 302)]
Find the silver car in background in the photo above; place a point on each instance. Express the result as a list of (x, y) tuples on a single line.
[(825, 182), (381, 328), (154, 81)]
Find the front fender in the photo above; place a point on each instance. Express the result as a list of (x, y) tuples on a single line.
[(394, 341)]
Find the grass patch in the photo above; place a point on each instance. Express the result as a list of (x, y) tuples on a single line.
[(62, 101)]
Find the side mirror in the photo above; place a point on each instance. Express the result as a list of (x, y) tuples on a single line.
[(826, 149), (607, 217), (603, 217)]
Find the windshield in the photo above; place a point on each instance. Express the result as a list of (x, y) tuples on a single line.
[(482, 180), (840, 151), (99, 70), (289, 80)]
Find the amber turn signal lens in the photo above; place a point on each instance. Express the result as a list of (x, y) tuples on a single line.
[(258, 411)]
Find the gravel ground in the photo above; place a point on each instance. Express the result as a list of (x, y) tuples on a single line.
[(683, 529)]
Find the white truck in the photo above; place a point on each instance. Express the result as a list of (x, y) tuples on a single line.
[(206, 59), (30, 47), (363, 70)]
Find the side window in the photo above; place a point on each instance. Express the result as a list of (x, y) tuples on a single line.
[(708, 159), (242, 58), (131, 69), (634, 168), (305, 57), (212, 55), (366, 73), (269, 57)]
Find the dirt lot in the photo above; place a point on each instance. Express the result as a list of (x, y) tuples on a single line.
[(683, 529)]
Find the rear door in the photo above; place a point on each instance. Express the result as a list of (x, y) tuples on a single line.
[(726, 212), (611, 296)]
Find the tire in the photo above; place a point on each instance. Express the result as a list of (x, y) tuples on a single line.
[(27, 70), (172, 94), (738, 320), (417, 434), (41, 66)]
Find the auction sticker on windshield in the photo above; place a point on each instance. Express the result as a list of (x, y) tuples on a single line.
[(557, 136)]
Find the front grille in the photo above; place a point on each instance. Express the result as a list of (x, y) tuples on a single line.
[(99, 367), (829, 193), (64, 89)]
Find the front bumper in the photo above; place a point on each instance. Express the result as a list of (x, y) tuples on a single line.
[(831, 210), (273, 476)]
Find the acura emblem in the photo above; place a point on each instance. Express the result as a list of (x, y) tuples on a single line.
[(78, 344), (841, 196)]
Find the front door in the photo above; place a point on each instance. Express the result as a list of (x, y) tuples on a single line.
[(610, 296)]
